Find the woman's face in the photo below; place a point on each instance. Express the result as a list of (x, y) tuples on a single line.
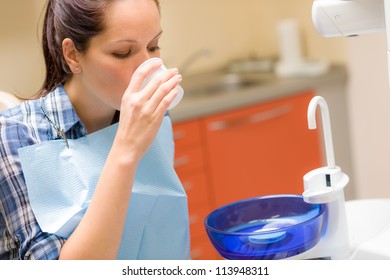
[(131, 36)]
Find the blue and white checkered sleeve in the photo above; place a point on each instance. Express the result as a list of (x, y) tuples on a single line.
[(20, 234)]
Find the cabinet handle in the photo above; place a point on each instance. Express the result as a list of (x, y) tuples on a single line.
[(178, 134), (255, 118), (193, 219), (181, 161), (196, 253), (187, 186)]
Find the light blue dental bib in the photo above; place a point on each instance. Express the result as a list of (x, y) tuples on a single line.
[(61, 181)]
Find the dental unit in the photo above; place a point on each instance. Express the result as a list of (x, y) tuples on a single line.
[(319, 224)]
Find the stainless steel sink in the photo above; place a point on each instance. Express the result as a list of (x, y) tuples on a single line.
[(218, 83)]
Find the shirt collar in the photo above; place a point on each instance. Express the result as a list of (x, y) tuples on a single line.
[(59, 111)]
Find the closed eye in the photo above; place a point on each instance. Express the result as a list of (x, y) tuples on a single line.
[(154, 49), (122, 55)]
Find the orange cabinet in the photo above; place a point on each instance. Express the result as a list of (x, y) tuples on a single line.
[(191, 169), (258, 150), (261, 150)]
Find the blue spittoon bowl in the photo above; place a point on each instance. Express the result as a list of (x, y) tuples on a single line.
[(266, 227)]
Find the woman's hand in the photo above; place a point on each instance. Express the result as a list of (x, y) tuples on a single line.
[(142, 110)]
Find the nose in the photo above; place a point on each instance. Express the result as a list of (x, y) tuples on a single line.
[(143, 57)]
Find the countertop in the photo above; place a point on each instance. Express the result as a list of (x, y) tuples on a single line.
[(194, 106)]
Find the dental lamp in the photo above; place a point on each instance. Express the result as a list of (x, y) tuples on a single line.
[(347, 18)]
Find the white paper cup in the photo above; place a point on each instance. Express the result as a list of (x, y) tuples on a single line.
[(162, 68)]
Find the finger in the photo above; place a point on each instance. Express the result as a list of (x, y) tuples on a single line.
[(164, 92), (164, 103), (144, 71), (167, 100), (164, 81)]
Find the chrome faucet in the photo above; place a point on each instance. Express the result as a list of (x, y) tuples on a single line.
[(204, 52)]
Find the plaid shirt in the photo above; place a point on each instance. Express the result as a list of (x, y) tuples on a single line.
[(28, 124)]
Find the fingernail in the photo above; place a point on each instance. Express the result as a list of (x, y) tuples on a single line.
[(175, 70)]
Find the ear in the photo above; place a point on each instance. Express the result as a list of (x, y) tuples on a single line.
[(71, 55)]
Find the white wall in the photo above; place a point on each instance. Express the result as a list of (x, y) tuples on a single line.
[(369, 99), (21, 67)]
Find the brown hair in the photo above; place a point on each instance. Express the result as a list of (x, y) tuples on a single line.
[(78, 20)]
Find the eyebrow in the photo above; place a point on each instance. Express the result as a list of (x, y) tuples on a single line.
[(135, 41)]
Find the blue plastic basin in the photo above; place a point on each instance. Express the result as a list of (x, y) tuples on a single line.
[(266, 228)]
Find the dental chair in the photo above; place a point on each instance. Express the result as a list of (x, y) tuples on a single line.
[(8, 100)]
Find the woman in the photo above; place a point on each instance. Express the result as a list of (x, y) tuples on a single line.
[(92, 49)]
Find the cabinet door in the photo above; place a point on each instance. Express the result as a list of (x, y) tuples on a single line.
[(190, 167), (261, 150)]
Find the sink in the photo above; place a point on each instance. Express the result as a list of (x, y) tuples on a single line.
[(218, 83)]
